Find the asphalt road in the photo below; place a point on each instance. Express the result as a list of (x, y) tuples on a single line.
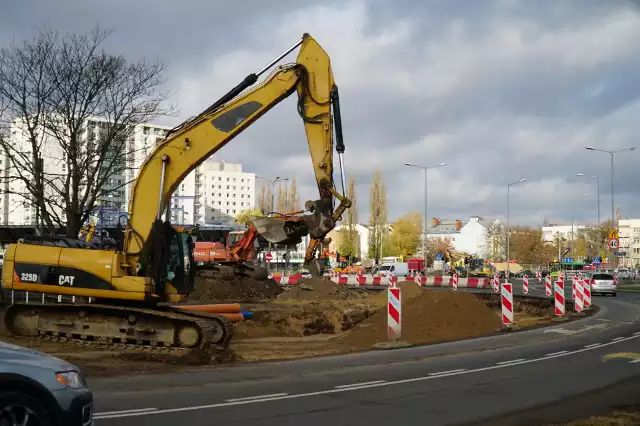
[(529, 377)]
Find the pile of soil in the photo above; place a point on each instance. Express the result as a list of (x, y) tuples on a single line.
[(302, 319), (432, 316), (210, 290), (408, 290), (319, 288)]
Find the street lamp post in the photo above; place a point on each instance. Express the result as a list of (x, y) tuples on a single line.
[(509, 220), (611, 153), (273, 204), (424, 225)]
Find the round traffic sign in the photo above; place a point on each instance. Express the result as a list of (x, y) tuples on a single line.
[(268, 257), (613, 243)]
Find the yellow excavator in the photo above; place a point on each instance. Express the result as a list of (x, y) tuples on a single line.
[(135, 286)]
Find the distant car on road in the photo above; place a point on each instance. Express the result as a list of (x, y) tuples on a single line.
[(39, 390), (603, 284)]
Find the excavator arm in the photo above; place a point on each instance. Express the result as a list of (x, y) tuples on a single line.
[(197, 139)]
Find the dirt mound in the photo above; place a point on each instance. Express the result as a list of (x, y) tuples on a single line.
[(284, 319), (239, 289), (432, 316), (318, 288), (408, 290)]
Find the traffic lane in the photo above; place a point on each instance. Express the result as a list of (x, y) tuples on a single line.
[(613, 315), (486, 392), (204, 386)]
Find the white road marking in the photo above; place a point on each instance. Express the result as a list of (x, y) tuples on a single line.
[(137, 410), (557, 353), (637, 333), (635, 361), (359, 384), (510, 362), (251, 398), (439, 373), (593, 345), (396, 382), (616, 339)]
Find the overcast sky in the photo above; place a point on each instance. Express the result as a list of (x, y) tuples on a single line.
[(500, 90)]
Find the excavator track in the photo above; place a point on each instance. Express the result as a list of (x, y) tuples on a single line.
[(167, 330)]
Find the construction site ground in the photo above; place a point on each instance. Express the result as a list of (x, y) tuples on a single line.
[(313, 318)]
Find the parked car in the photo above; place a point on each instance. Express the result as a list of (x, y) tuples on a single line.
[(603, 284), (395, 269), (38, 389), (624, 273)]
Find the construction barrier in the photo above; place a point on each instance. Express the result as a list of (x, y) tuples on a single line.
[(496, 284), (454, 281), (547, 285), (394, 313), (539, 276), (507, 304), (525, 284), (578, 304), (559, 298), (586, 288), (374, 281), (574, 285)]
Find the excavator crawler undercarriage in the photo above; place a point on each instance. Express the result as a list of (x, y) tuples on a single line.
[(164, 330)]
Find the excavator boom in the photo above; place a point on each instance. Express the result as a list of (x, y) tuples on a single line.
[(196, 140)]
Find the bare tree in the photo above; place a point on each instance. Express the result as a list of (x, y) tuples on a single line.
[(72, 108), (288, 199), (265, 199), (350, 239), (378, 220)]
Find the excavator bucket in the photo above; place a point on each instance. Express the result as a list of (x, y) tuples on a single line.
[(280, 230)]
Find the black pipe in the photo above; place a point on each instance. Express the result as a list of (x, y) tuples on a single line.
[(337, 119)]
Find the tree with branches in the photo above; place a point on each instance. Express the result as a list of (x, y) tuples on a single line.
[(378, 218), (349, 237), (288, 198), (72, 108), (405, 237)]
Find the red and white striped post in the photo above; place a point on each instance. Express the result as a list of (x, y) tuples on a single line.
[(454, 281), (525, 284), (586, 287), (507, 304), (547, 285), (496, 284), (394, 314), (574, 288), (559, 298), (539, 276), (578, 302)]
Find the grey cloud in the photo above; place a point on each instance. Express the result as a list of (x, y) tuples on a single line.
[(475, 125)]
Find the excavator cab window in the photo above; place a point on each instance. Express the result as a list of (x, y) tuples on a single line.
[(179, 270)]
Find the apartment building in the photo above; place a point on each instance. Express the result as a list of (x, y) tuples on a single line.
[(629, 230), (552, 232), (214, 193)]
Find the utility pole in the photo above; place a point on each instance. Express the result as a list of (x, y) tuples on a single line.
[(509, 221), (424, 224)]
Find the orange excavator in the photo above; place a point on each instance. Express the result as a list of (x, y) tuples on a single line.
[(235, 258)]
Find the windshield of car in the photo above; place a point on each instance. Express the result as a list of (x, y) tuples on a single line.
[(385, 267), (602, 277)]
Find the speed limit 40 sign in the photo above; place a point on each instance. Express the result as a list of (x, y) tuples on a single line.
[(613, 244)]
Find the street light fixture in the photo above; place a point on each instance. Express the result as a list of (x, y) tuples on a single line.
[(424, 225), (509, 220)]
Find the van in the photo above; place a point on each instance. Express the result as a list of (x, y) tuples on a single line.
[(394, 269)]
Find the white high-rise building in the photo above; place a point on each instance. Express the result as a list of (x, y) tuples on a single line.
[(214, 193)]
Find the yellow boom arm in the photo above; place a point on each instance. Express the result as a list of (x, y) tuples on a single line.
[(196, 140)]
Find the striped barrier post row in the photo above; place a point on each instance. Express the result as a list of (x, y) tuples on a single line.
[(507, 304), (578, 304), (394, 313), (362, 280), (559, 298), (586, 287), (525, 284), (547, 285)]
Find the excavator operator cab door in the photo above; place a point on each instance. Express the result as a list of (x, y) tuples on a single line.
[(180, 271)]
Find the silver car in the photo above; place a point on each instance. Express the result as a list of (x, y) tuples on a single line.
[(39, 390), (602, 283)]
